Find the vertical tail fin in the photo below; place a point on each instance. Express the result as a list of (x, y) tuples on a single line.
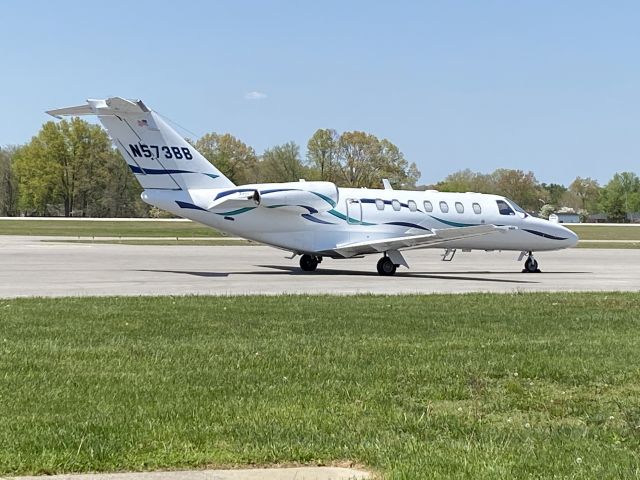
[(158, 156)]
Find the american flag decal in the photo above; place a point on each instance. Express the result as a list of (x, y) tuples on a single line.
[(142, 123)]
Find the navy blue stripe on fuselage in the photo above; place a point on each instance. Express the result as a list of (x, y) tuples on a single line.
[(263, 192), (544, 235), (155, 171), (162, 171), (408, 224), (275, 190), (316, 220), (310, 209), (235, 190), (189, 206)]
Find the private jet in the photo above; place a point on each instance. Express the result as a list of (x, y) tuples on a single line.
[(311, 219)]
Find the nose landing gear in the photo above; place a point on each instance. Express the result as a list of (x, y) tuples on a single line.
[(531, 264)]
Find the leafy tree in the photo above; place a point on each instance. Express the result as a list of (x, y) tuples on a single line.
[(364, 161), (116, 192), (621, 196), (38, 172), (547, 210), (70, 167), (8, 183), (357, 157), (631, 187), (554, 193), (232, 157), (521, 187), (322, 154), (467, 181), (583, 194), (393, 166), (282, 164)]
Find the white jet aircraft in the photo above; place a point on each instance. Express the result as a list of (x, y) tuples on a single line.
[(315, 219)]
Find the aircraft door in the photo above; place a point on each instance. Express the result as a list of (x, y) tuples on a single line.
[(354, 211)]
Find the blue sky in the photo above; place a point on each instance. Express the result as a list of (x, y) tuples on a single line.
[(547, 86)]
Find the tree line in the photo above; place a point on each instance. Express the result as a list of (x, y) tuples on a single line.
[(617, 199), (71, 168)]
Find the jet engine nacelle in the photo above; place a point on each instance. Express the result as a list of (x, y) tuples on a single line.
[(321, 196)]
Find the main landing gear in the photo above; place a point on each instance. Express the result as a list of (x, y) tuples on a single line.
[(531, 264), (309, 263), (386, 267)]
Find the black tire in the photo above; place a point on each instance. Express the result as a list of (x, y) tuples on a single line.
[(531, 265), (308, 263), (386, 267)]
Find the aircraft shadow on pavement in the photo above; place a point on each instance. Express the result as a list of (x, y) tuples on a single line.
[(295, 271), (195, 274), (404, 274)]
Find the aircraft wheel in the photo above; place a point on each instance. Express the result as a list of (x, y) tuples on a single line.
[(386, 267), (308, 263), (531, 265)]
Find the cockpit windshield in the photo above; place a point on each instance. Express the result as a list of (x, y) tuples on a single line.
[(504, 208), (518, 208)]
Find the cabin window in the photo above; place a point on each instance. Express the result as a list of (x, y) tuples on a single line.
[(477, 209), (504, 208), (459, 207), (396, 205), (412, 206), (379, 204), (428, 207), (444, 207)]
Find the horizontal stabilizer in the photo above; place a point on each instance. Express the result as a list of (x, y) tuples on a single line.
[(109, 106), (72, 111)]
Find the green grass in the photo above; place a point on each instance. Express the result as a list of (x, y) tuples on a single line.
[(84, 228), (605, 232), (463, 386), (621, 245)]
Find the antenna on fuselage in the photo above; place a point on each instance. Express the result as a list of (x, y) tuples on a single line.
[(386, 184)]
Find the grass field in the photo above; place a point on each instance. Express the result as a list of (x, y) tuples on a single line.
[(439, 387), (606, 232), (207, 242), (84, 228), (605, 244)]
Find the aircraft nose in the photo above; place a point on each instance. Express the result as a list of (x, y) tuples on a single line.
[(571, 237)]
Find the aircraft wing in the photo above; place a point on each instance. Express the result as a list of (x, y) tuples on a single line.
[(415, 241)]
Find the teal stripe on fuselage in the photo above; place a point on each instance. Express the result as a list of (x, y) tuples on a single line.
[(236, 212), (350, 220), (453, 224), (325, 198)]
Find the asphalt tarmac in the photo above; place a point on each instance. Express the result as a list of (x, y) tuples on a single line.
[(31, 267)]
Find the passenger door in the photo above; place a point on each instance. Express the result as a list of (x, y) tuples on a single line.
[(354, 211)]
